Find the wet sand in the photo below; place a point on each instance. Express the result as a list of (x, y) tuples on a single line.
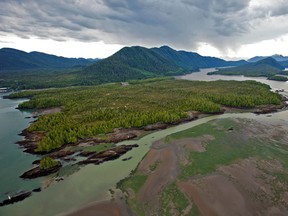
[(104, 208)]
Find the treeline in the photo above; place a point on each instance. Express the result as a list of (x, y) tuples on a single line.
[(278, 78), (47, 162), (267, 67), (95, 110)]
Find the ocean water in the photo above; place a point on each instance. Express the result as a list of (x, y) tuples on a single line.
[(13, 162)]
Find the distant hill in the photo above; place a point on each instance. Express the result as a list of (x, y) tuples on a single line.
[(279, 58), (139, 62), (284, 63), (129, 63), (132, 63), (193, 61), (13, 59), (266, 67)]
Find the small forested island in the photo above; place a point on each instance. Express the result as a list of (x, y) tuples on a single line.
[(267, 67), (278, 78), (46, 166)]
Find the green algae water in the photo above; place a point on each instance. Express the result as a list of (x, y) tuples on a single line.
[(13, 162)]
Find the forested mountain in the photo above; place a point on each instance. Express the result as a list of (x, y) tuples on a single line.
[(278, 58), (13, 59), (132, 63), (284, 64), (192, 60), (266, 67), (129, 63), (140, 62)]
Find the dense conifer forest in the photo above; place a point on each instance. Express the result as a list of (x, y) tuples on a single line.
[(95, 110)]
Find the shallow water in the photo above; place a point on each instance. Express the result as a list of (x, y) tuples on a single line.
[(13, 162), (92, 182)]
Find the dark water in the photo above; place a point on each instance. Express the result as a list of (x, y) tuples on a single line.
[(13, 162)]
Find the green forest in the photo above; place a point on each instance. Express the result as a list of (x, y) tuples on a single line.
[(94, 110), (278, 78), (47, 162), (267, 67)]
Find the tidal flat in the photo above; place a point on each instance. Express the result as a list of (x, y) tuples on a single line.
[(222, 167)]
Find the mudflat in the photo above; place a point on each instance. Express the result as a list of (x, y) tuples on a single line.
[(105, 208), (224, 167)]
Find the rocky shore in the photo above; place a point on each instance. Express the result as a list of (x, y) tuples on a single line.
[(69, 151), (272, 108), (38, 172), (15, 198), (111, 154)]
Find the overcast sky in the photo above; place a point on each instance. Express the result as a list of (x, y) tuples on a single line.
[(98, 28)]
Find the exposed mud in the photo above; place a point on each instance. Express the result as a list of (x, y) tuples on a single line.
[(106, 208), (162, 165), (238, 189), (251, 186)]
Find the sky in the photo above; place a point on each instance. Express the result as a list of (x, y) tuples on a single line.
[(230, 29)]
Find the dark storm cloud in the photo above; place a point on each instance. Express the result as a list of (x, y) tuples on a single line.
[(179, 23)]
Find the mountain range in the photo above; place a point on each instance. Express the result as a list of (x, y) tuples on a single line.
[(156, 60), (127, 64), (139, 62), (192, 60), (13, 59), (279, 58), (267, 67)]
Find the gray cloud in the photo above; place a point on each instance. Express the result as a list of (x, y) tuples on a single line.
[(180, 23)]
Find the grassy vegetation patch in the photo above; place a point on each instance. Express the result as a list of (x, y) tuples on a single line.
[(133, 184), (228, 146), (282, 177), (99, 147), (154, 166), (173, 200)]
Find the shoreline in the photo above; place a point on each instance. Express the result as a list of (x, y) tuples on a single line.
[(31, 139), (125, 134), (151, 159)]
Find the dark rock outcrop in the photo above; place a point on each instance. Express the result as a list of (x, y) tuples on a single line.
[(37, 171), (37, 189), (31, 140), (16, 198), (107, 155), (61, 153), (266, 110)]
